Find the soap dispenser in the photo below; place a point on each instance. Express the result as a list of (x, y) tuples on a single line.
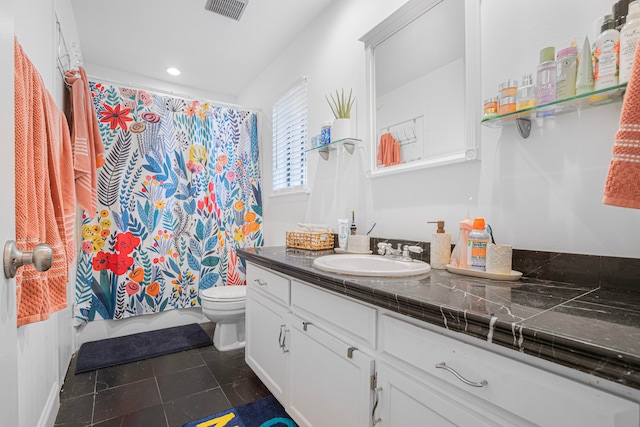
[(440, 247)]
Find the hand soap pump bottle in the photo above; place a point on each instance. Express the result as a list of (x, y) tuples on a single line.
[(629, 36), (607, 56), (440, 247), (477, 245)]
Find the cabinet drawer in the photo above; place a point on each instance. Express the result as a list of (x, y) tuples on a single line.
[(354, 319), (268, 282), (536, 395)]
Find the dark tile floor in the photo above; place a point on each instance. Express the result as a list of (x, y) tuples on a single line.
[(163, 391)]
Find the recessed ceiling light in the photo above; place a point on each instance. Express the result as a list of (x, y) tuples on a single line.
[(173, 71)]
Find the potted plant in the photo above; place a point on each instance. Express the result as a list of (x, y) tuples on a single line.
[(341, 108)]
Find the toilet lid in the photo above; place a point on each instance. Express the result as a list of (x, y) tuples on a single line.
[(226, 293)]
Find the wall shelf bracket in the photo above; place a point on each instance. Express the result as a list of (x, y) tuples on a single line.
[(524, 126), (324, 153), (349, 146), (348, 143)]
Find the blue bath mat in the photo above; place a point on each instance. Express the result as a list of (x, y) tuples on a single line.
[(131, 348), (265, 412)]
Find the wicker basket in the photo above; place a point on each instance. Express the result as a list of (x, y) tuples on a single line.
[(309, 240)]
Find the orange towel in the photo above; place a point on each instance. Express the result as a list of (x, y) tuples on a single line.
[(38, 293), (86, 140), (61, 177), (622, 187), (388, 151)]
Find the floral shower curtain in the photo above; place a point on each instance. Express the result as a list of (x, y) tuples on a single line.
[(178, 193)]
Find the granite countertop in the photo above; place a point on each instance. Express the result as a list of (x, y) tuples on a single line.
[(594, 330)]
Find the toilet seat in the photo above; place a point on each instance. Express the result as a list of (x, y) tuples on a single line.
[(224, 293)]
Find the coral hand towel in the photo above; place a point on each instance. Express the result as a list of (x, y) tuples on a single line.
[(86, 140), (622, 187), (388, 151)]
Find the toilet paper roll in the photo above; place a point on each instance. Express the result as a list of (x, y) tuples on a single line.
[(499, 258)]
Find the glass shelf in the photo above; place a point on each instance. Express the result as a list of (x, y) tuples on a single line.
[(349, 145), (522, 118)]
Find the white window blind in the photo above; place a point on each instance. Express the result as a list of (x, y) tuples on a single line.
[(289, 140)]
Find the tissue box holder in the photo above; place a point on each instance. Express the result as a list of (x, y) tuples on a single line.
[(309, 240)]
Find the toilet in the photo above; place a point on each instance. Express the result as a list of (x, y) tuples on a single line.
[(225, 306)]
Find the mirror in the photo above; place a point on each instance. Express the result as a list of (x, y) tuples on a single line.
[(423, 81)]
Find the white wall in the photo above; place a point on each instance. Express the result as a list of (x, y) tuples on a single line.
[(541, 193), (329, 54)]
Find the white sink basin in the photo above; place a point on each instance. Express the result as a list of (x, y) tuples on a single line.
[(370, 265)]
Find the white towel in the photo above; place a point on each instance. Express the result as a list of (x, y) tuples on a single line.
[(314, 228)]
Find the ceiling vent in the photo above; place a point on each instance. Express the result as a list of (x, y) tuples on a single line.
[(230, 8)]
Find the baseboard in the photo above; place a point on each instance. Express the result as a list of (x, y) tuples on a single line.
[(51, 407)]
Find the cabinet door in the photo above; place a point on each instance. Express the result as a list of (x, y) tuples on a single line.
[(329, 384), (264, 352), (407, 401)]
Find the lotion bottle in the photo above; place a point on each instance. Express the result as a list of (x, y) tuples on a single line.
[(629, 36), (440, 247), (607, 56), (526, 93), (459, 252), (546, 81), (584, 80), (567, 63)]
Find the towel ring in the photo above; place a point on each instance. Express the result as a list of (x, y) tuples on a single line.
[(41, 258)]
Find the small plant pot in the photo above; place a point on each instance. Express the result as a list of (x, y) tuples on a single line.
[(341, 129)]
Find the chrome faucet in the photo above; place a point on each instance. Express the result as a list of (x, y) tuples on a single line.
[(402, 252), (386, 249), (406, 249)]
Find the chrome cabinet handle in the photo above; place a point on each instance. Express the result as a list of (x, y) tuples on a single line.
[(282, 338), (375, 420), (443, 365), (259, 282), (280, 341)]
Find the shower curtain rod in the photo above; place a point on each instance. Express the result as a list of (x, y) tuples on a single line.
[(130, 85)]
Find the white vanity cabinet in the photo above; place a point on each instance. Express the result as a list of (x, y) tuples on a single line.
[(329, 381), (334, 361), (266, 329), (319, 374)]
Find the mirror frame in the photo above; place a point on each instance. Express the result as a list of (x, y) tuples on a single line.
[(402, 17)]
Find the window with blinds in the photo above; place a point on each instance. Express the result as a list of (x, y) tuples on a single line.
[(289, 140)]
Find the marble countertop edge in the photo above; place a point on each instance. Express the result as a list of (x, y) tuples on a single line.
[(542, 342)]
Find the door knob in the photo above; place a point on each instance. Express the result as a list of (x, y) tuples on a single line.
[(41, 258)]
